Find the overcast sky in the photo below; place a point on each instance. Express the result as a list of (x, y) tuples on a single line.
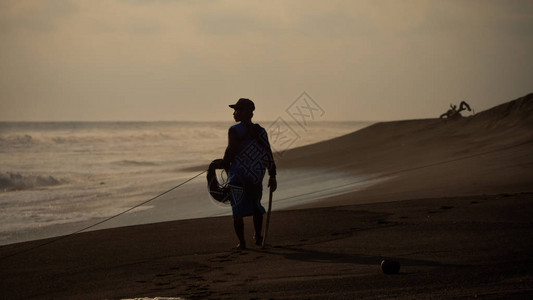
[(153, 60)]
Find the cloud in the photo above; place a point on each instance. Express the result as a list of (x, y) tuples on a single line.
[(361, 54), (34, 16)]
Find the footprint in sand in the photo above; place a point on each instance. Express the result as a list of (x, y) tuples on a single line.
[(197, 278), (383, 222), (220, 258), (230, 274)]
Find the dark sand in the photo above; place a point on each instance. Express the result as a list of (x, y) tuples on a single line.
[(456, 213)]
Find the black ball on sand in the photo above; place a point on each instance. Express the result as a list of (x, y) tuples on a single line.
[(390, 266)]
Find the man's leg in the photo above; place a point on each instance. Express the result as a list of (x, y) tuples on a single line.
[(238, 224), (258, 226)]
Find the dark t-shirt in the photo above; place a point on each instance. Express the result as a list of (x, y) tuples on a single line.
[(248, 155)]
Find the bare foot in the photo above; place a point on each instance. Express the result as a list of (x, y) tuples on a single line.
[(240, 246)]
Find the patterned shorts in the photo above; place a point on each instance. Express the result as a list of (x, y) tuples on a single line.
[(246, 201)]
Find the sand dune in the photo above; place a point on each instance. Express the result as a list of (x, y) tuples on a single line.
[(399, 144), (486, 153)]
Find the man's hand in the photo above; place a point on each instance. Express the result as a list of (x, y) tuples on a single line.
[(272, 184)]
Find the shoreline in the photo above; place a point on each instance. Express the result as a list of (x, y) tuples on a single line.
[(192, 201)]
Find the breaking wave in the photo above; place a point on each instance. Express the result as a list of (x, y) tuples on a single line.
[(17, 139), (136, 163), (15, 181)]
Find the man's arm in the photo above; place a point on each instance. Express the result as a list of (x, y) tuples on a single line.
[(272, 182), (231, 150)]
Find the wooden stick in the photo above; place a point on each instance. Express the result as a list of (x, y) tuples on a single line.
[(268, 218)]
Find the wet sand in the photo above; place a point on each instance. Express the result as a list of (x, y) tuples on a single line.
[(462, 247)]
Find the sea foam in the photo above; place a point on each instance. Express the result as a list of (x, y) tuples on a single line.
[(15, 181)]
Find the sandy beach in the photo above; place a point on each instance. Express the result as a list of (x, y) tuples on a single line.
[(453, 207)]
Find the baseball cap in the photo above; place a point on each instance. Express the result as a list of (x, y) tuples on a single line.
[(243, 103)]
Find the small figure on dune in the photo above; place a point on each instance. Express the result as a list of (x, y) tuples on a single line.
[(454, 113)]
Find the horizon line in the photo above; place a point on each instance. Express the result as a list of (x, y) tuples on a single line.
[(183, 121)]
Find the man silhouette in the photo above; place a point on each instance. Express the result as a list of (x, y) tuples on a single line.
[(246, 160)]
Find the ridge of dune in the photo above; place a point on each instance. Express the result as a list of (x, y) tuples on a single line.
[(401, 144), (520, 109)]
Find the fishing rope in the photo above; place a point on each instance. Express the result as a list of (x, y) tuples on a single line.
[(103, 221), (392, 173)]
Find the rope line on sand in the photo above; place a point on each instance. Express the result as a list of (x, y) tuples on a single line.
[(103, 221), (283, 199)]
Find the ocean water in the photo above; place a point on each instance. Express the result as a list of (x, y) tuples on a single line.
[(68, 174)]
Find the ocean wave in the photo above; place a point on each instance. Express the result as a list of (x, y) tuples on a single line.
[(21, 137), (135, 163), (17, 139), (15, 181)]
